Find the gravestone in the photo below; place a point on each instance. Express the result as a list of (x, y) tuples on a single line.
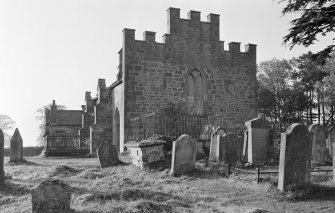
[(330, 139), (229, 149), (258, 140), (295, 156), (319, 150), (52, 196), (16, 147), (2, 171), (184, 152), (214, 150), (107, 154), (245, 146)]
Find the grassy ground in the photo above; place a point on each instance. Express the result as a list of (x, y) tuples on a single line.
[(125, 188)]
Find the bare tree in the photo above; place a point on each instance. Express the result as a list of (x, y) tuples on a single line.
[(6, 124)]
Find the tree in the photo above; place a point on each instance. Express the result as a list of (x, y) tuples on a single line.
[(41, 118), (6, 124), (317, 18)]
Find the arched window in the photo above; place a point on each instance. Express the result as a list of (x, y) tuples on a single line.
[(195, 92)]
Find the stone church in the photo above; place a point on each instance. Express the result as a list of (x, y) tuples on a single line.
[(190, 68)]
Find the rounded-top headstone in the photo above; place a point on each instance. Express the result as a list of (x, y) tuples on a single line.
[(107, 154), (16, 147), (319, 150), (51, 196)]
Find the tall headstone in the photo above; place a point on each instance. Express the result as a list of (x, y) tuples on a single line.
[(16, 147), (330, 139), (229, 149), (107, 154), (295, 156), (52, 196), (319, 150), (214, 150), (2, 171), (184, 152), (245, 146), (258, 140)]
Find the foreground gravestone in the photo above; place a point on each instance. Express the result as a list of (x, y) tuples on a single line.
[(107, 154), (319, 150), (184, 152), (16, 147), (330, 139), (214, 147), (2, 171), (295, 156), (51, 196)]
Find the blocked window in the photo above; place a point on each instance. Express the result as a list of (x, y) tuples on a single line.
[(195, 92)]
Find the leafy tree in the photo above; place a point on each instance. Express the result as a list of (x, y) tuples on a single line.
[(41, 118), (6, 124), (317, 18)]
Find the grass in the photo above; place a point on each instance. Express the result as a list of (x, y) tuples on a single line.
[(126, 188)]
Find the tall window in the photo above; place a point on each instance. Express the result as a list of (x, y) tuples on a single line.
[(195, 92)]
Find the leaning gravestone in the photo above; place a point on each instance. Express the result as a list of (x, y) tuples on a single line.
[(16, 147), (107, 154), (229, 148), (295, 156), (245, 146), (51, 196), (2, 171), (214, 150), (184, 152), (319, 150)]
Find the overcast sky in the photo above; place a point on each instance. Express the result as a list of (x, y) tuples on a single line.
[(57, 50)]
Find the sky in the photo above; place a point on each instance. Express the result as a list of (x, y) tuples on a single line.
[(57, 49)]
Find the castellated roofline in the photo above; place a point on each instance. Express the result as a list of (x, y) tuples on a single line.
[(176, 26)]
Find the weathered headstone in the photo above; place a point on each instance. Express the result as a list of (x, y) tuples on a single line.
[(16, 147), (184, 152), (245, 146), (319, 150), (229, 149), (330, 139), (2, 171), (258, 140), (107, 154), (52, 196), (214, 150), (295, 156)]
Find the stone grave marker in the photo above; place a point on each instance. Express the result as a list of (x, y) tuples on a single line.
[(295, 156), (319, 150), (184, 152), (258, 140), (52, 196), (214, 150), (330, 139), (2, 171), (107, 154), (16, 147), (245, 146)]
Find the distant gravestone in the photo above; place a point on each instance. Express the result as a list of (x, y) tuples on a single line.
[(258, 140), (16, 147), (245, 146), (319, 150), (330, 139), (229, 149), (295, 156), (51, 196), (107, 154), (184, 152), (214, 150), (2, 171)]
